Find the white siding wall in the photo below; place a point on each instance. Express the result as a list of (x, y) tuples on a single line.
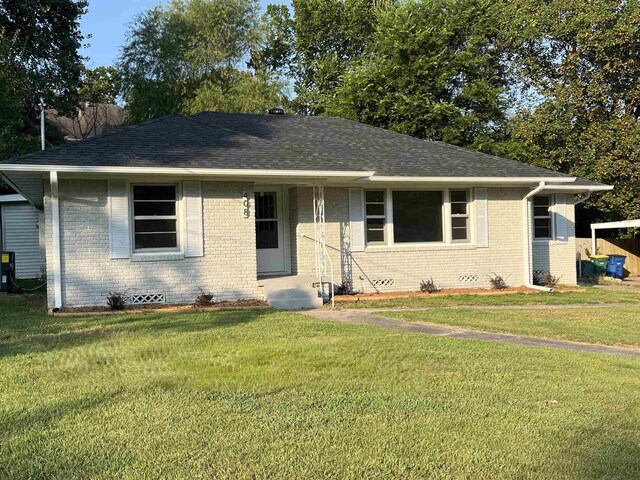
[(20, 234)]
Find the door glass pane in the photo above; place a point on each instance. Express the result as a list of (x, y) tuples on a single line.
[(267, 234), (265, 205)]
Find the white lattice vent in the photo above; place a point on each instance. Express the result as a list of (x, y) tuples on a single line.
[(145, 298), (468, 278), (383, 282), (539, 273)]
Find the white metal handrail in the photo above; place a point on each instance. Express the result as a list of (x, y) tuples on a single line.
[(326, 252)]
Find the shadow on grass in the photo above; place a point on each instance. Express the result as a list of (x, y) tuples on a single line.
[(44, 417), (25, 333), (592, 454)]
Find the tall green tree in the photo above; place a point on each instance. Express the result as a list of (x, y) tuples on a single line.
[(181, 55), (432, 69), (100, 85), (316, 45), (39, 51), (581, 59)]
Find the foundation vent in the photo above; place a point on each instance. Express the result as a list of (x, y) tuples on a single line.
[(147, 298), (383, 282), (468, 278)]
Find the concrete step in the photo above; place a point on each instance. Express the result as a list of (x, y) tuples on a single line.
[(291, 293)]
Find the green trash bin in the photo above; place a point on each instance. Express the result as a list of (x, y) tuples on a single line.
[(587, 268), (600, 263)]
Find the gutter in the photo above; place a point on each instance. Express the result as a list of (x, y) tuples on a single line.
[(527, 239), (222, 172)]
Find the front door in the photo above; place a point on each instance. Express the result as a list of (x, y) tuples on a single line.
[(270, 230)]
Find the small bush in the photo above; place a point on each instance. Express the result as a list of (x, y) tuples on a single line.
[(345, 288), (429, 286), (117, 300), (549, 280), (497, 282), (538, 278), (204, 299)]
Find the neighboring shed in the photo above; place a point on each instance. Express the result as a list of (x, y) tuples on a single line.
[(20, 233)]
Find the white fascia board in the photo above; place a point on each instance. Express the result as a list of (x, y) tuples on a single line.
[(622, 224), (217, 172), (579, 188), (474, 180)]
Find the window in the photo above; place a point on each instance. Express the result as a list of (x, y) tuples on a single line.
[(459, 215), (417, 216), (375, 215), (542, 217), (155, 220), (266, 220)]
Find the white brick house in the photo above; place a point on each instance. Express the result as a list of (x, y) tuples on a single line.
[(217, 202)]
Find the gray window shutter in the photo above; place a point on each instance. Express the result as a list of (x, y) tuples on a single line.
[(356, 219), (482, 217), (560, 214), (119, 241), (193, 230)]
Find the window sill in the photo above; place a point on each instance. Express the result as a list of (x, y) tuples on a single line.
[(427, 247), (156, 256)]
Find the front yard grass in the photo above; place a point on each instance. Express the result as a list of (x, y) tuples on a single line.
[(614, 325), (263, 394), (591, 295)]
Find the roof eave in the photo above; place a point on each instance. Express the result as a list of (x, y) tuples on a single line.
[(203, 172)]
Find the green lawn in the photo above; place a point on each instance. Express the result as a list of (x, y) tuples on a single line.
[(591, 295), (609, 326), (261, 394)]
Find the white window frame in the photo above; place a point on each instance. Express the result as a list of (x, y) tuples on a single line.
[(446, 219), (550, 216), (384, 217), (177, 217), (466, 215)]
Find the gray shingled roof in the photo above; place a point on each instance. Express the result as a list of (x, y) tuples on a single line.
[(279, 142)]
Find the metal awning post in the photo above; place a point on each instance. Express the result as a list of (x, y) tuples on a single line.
[(594, 245)]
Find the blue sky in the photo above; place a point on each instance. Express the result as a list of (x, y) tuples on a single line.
[(107, 21)]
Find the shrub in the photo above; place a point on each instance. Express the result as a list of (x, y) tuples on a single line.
[(549, 280), (204, 299), (345, 288), (497, 282), (117, 300), (538, 278), (429, 286)]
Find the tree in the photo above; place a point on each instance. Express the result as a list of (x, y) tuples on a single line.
[(179, 56), (39, 43), (97, 111), (100, 85), (581, 60), (316, 46), (432, 69)]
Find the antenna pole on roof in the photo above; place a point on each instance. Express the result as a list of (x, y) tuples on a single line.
[(41, 104)]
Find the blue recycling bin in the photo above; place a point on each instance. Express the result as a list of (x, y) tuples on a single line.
[(615, 266)]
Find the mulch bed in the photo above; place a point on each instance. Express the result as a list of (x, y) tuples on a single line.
[(166, 308), (357, 297)]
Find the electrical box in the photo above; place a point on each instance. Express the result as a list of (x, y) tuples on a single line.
[(7, 270)]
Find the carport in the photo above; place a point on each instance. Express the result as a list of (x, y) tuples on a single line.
[(610, 226)]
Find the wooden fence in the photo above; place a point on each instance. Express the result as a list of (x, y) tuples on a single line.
[(629, 247)]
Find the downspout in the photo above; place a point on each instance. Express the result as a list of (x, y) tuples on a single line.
[(527, 239), (55, 233)]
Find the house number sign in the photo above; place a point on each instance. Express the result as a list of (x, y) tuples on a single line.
[(245, 203)]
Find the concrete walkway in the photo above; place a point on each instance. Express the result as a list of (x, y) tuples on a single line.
[(360, 317)]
